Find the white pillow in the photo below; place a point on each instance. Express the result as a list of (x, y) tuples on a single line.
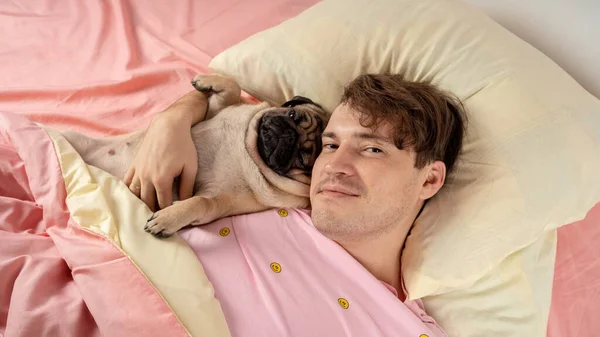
[(512, 300), (532, 152)]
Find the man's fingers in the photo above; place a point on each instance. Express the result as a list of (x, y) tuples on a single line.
[(135, 186), (149, 196), (129, 176), (164, 192), (188, 179)]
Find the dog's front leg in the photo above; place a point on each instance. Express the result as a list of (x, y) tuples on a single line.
[(199, 211), (222, 91)]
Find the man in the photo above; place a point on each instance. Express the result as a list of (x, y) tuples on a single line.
[(387, 149)]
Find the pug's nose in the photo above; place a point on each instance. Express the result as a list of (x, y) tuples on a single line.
[(283, 128)]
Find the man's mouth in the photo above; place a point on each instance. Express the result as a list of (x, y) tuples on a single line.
[(338, 191)]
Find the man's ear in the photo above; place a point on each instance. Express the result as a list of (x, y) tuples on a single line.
[(435, 176)]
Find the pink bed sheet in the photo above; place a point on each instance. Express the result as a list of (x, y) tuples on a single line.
[(106, 67), (576, 291)]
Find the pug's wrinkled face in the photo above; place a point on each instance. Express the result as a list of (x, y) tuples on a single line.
[(289, 137)]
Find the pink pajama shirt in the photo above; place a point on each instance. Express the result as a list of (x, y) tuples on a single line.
[(275, 274)]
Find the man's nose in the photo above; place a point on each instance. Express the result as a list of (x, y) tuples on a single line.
[(340, 162)]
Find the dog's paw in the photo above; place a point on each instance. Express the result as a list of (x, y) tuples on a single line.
[(164, 223), (211, 83), (221, 91)]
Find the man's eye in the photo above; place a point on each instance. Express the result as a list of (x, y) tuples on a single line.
[(330, 146), (374, 150)]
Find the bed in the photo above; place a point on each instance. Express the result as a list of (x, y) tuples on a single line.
[(106, 67)]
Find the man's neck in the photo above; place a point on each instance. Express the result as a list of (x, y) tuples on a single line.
[(381, 256)]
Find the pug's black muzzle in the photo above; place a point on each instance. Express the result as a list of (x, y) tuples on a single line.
[(277, 142)]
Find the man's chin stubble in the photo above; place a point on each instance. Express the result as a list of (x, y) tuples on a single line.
[(344, 230)]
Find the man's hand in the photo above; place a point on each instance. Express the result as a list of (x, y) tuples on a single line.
[(166, 152)]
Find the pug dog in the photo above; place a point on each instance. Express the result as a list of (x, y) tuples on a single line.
[(251, 157)]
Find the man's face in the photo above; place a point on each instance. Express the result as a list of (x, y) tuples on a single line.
[(362, 185)]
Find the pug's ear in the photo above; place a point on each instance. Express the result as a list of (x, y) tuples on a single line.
[(298, 100)]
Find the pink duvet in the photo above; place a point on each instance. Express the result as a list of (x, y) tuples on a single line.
[(57, 279)]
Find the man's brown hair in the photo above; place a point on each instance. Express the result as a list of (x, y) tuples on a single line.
[(423, 117)]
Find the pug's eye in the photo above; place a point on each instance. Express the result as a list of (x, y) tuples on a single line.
[(292, 114)]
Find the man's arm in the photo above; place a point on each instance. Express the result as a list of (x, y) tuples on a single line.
[(189, 110), (166, 152)]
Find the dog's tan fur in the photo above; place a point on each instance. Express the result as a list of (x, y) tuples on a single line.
[(232, 179)]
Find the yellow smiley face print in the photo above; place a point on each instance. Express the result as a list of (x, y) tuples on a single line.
[(276, 267), (343, 303)]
